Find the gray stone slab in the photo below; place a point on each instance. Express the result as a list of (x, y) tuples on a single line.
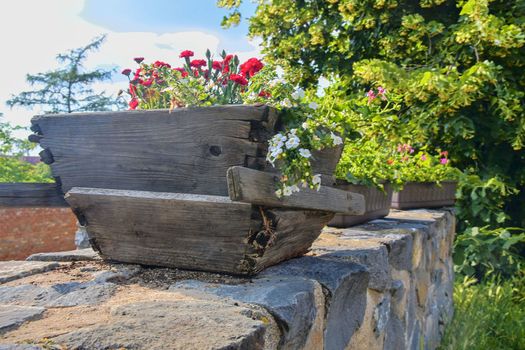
[(12, 316), (12, 270), (90, 293), (20, 347), (174, 325), (291, 300), (28, 294), (70, 255), (374, 258), (346, 283)]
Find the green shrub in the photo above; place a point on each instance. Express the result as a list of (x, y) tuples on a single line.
[(487, 316)]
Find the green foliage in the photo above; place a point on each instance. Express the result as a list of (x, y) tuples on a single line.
[(12, 168), (482, 252), (68, 89), (453, 71), (487, 316)]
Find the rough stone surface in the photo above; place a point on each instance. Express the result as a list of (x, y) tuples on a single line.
[(82, 238), (70, 255), (173, 325), (12, 316), (12, 270), (291, 300), (386, 284), (346, 284)]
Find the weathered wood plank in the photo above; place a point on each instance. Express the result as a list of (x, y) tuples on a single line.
[(258, 187), (294, 233), (152, 150), (167, 229), (31, 195)]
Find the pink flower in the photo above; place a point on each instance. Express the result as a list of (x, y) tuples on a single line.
[(443, 161), (371, 95), (423, 157), (444, 153), (381, 90)]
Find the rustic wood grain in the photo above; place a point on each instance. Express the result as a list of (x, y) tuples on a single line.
[(187, 150), (31, 195), (167, 229), (294, 233), (258, 187)]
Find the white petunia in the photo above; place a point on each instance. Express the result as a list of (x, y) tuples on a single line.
[(304, 125), (286, 103), (336, 140), (294, 188), (305, 153), (293, 142), (298, 94), (287, 191), (279, 193), (313, 105), (316, 179)]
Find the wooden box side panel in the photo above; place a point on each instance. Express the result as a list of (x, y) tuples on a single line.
[(421, 195), (176, 230), (294, 232), (187, 150)]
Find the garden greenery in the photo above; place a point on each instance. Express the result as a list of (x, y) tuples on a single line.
[(453, 72)]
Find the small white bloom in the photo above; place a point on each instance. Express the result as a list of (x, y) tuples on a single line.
[(294, 188), (293, 131), (298, 94), (336, 140), (305, 153), (313, 105), (316, 179), (279, 193), (287, 191), (304, 125), (292, 142), (497, 42), (286, 103)]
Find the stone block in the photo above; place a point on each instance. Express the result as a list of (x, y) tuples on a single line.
[(87, 254), (346, 284), (12, 316), (12, 270), (296, 303)]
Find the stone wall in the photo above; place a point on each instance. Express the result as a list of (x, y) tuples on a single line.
[(383, 285), (25, 231)]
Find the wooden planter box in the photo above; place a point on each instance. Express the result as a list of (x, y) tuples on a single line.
[(188, 189), (377, 204), (425, 195)]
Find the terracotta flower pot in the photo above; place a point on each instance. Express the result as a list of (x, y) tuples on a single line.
[(377, 204), (425, 195)]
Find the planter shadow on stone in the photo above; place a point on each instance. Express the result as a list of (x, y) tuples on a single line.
[(425, 195), (189, 188), (377, 204)]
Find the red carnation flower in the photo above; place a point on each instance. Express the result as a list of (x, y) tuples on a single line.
[(198, 63), (133, 103), (148, 82), (138, 59), (216, 65), (186, 53), (264, 94), (160, 64), (251, 67), (239, 79), (126, 72), (226, 63)]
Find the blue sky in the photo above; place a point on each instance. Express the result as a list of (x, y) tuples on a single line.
[(35, 31)]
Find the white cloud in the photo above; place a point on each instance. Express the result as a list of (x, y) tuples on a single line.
[(35, 31)]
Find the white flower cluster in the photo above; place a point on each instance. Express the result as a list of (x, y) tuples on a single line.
[(336, 140), (289, 190), (280, 143)]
